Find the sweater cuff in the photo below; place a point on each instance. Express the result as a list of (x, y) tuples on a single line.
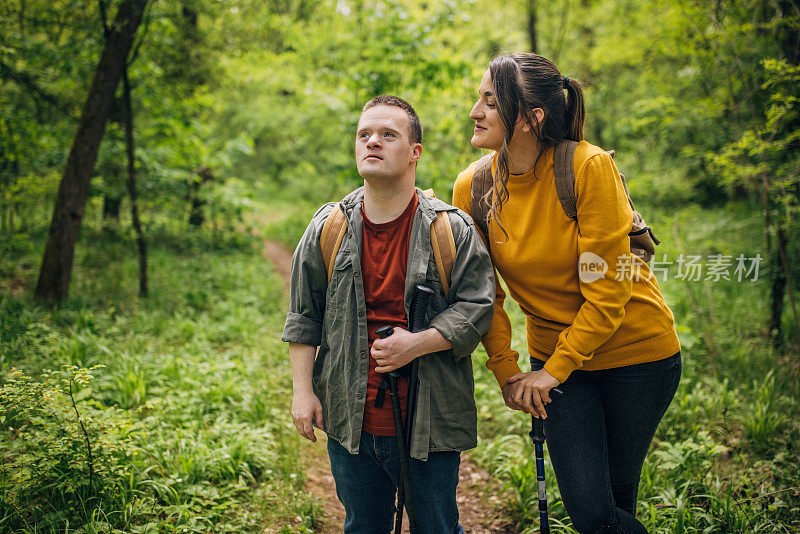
[(560, 367), (503, 369)]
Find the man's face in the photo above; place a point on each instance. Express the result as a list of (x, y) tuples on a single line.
[(383, 144)]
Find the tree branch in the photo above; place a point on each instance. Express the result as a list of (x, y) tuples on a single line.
[(27, 82)]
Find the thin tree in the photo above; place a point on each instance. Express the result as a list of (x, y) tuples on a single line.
[(531, 9), (130, 151), (788, 36), (59, 254), (141, 244)]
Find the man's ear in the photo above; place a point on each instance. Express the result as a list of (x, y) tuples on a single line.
[(416, 152)]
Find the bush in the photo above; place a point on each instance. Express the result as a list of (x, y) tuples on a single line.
[(67, 457)]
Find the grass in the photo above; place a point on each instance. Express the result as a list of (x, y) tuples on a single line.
[(182, 398)]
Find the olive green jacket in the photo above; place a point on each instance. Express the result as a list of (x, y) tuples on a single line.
[(333, 317)]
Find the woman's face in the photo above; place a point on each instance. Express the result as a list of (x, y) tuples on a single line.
[(489, 130)]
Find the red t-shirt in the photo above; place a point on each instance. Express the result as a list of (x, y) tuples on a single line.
[(383, 264)]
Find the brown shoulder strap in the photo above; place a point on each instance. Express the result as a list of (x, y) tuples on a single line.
[(442, 242), (330, 240), (624, 182), (480, 190), (444, 248), (564, 167), (627, 193)]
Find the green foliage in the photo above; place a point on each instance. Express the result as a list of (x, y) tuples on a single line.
[(65, 455), (188, 418), (183, 397)]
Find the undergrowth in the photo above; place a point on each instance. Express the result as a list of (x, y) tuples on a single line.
[(164, 414)]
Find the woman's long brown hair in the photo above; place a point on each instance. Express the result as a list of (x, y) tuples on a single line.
[(521, 83)]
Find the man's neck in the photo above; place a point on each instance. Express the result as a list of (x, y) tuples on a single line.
[(384, 203)]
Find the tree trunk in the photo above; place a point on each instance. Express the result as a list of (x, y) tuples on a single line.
[(783, 246), (196, 216), (111, 205), (532, 26), (790, 36), (777, 293), (141, 244), (789, 40), (54, 276)]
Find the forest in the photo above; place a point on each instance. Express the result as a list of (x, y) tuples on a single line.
[(156, 156)]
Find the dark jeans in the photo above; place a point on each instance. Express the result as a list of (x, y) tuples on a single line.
[(598, 433), (366, 484)]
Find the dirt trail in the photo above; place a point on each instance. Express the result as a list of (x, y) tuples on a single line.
[(480, 509)]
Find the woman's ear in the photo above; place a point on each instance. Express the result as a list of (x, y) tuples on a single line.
[(537, 116)]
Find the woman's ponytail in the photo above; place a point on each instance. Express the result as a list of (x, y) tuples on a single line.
[(521, 83), (576, 110)]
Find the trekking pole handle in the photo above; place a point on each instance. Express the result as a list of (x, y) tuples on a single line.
[(537, 430), (384, 332)]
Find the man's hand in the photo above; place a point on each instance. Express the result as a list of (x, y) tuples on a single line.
[(397, 350), (306, 410), (529, 392), (508, 396)]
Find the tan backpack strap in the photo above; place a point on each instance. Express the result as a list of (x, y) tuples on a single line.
[(330, 240), (444, 248), (564, 167), (481, 186), (627, 193)]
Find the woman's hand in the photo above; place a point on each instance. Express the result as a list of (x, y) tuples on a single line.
[(529, 392)]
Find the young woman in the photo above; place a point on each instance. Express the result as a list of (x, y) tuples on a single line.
[(603, 333)]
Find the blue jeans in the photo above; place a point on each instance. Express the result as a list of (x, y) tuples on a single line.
[(366, 484), (598, 433)]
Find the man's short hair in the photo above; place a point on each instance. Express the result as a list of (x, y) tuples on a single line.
[(396, 101)]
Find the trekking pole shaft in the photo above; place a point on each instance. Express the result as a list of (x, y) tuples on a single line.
[(417, 322), (544, 524), (537, 436), (404, 494)]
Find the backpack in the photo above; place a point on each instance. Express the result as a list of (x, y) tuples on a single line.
[(442, 242), (642, 239)]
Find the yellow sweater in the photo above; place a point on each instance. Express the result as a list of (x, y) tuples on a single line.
[(573, 322)]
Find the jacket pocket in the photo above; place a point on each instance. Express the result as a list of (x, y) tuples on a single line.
[(341, 280)]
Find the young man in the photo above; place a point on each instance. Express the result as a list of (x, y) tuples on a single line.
[(384, 255)]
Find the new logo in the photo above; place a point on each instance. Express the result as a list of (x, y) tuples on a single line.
[(591, 267)]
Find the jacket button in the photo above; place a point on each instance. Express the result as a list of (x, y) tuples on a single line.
[(363, 354), (361, 313), (359, 395), (356, 273)]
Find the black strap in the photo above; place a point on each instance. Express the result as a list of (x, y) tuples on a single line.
[(380, 396)]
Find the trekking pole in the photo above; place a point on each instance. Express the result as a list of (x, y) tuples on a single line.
[(405, 475), (537, 436), (417, 322)]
